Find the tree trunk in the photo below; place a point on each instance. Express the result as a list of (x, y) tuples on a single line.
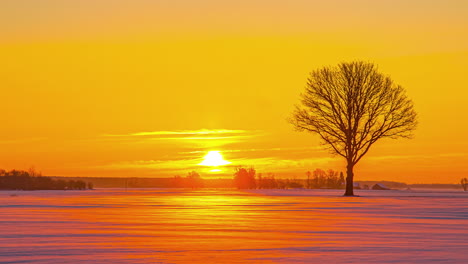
[(349, 180)]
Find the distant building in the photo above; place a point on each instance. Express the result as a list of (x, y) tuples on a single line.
[(356, 186)]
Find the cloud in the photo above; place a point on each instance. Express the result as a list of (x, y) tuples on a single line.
[(202, 133), (196, 143), (398, 157), (453, 155), (276, 152), (155, 166), (150, 164), (181, 166), (419, 157), (204, 137), (192, 132)]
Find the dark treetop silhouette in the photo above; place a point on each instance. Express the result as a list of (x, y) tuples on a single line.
[(350, 107)]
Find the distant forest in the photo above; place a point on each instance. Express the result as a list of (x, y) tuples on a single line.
[(219, 183), (31, 180), (247, 178), (243, 178)]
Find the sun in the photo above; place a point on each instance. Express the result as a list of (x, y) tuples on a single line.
[(214, 158)]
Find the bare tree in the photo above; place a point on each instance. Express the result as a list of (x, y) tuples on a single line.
[(350, 107)]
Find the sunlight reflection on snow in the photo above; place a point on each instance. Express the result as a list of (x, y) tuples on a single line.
[(229, 226)]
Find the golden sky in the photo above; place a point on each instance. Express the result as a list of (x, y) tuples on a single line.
[(146, 88)]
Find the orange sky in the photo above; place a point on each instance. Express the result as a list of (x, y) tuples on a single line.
[(146, 88)]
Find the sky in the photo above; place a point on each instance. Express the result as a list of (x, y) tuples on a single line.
[(147, 88)]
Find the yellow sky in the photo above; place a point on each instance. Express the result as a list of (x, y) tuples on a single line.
[(147, 88)]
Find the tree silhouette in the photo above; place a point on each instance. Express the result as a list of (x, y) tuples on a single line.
[(245, 178), (464, 184), (32, 180), (350, 107), (263, 182), (319, 178), (308, 180), (194, 180)]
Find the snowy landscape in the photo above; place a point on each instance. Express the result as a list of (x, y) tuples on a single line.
[(246, 131), (230, 226)]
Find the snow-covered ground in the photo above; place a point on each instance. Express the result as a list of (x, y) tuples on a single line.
[(229, 226)]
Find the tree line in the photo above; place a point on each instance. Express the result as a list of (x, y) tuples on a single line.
[(247, 178), (192, 180), (32, 180), (325, 179)]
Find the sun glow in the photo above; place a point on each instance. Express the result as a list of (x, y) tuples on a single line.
[(214, 158)]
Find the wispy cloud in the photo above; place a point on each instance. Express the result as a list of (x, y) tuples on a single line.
[(419, 157), (181, 166), (184, 133), (192, 132), (398, 157), (315, 149), (454, 155), (195, 144), (204, 137), (152, 164), (156, 167)]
